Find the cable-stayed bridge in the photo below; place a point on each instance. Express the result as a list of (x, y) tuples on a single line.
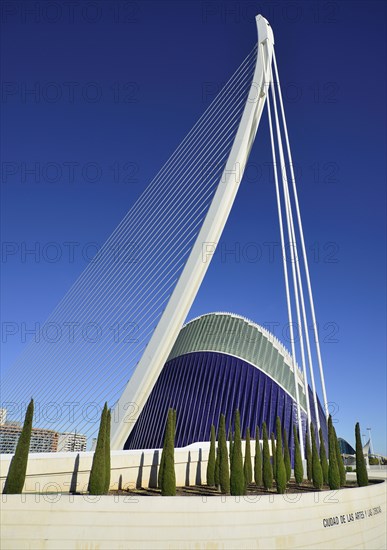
[(109, 337)]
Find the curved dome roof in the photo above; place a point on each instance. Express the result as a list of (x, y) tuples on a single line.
[(237, 336)]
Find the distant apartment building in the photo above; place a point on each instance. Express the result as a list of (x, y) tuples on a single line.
[(42, 441), (71, 442)]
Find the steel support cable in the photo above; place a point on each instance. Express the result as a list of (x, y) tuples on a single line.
[(297, 282), (305, 257), (114, 390), (293, 250), (77, 380), (174, 276), (125, 374), (288, 301), (216, 103), (305, 321)]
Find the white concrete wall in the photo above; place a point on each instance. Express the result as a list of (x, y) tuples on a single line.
[(52, 472), (277, 521)]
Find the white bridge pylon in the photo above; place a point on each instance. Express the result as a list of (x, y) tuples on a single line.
[(164, 336)]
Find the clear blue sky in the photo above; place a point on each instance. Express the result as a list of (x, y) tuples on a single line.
[(117, 89)]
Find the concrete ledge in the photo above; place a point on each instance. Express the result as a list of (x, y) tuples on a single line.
[(53, 472), (350, 518)]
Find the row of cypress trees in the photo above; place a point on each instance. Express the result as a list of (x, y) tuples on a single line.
[(226, 469), (277, 466), (320, 471)]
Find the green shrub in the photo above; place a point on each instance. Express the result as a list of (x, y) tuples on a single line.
[(247, 468), (361, 468), (211, 459), (97, 478), (288, 466), (280, 464), (257, 460), (224, 472), (323, 458), (298, 467), (168, 479), (267, 470), (237, 478), (17, 469), (348, 469), (317, 473), (333, 468)]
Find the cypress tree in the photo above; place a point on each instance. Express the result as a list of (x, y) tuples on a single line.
[(361, 467), (168, 479), (317, 473), (323, 458), (333, 468), (217, 464), (257, 460), (237, 478), (162, 458), (340, 461), (280, 464), (98, 467), (298, 467), (107, 452), (274, 455), (211, 459), (247, 468), (224, 471), (161, 468), (288, 466), (17, 469), (267, 471), (308, 452), (230, 444)]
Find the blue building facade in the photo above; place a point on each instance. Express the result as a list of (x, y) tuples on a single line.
[(220, 363)]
